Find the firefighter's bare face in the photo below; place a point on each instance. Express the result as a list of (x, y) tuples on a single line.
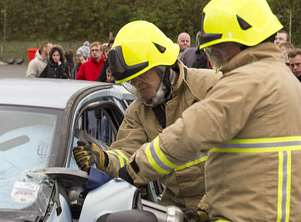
[(147, 84)]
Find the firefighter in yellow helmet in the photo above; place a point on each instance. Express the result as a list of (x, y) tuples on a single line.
[(249, 121), (147, 61)]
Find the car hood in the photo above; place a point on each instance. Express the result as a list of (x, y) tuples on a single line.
[(25, 197)]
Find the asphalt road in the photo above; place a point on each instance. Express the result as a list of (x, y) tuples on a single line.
[(13, 71)]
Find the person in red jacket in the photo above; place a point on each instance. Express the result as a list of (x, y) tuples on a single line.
[(92, 68)]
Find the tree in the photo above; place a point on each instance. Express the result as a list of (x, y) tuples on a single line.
[(71, 20), (67, 20)]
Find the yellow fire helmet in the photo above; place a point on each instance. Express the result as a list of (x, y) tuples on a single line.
[(248, 22), (138, 47)]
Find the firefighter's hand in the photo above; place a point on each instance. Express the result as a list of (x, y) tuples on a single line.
[(87, 155)]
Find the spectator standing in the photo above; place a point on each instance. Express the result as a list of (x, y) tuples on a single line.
[(56, 67), (294, 58), (70, 63), (183, 41), (38, 64), (93, 67), (105, 48), (193, 57), (281, 37), (82, 56), (84, 50), (105, 74)]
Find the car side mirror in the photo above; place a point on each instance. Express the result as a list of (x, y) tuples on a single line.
[(129, 216)]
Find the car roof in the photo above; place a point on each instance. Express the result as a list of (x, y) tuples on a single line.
[(53, 93)]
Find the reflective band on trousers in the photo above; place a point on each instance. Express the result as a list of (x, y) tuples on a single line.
[(121, 157), (161, 164), (284, 146)]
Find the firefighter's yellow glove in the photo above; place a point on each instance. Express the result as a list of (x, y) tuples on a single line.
[(87, 155)]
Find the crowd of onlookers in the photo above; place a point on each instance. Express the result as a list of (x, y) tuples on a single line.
[(90, 61), (291, 54)]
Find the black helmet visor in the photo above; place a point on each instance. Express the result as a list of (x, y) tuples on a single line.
[(120, 70)]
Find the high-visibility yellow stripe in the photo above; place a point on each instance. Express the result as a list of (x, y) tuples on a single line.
[(280, 183), (121, 160), (284, 186), (161, 155), (119, 152), (159, 161), (114, 154), (192, 163), (152, 161), (288, 186), (254, 150), (267, 140)]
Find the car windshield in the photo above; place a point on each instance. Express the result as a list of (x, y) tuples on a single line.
[(26, 138)]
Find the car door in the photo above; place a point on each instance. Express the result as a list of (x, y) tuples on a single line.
[(98, 121), (97, 118)]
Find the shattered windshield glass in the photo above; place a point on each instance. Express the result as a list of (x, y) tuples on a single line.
[(26, 138), (29, 197)]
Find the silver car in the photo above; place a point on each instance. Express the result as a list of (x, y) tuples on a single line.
[(41, 121)]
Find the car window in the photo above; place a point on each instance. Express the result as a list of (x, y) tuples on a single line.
[(26, 138), (98, 124)]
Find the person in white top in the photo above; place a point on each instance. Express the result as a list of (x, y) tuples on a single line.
[(38, 64)]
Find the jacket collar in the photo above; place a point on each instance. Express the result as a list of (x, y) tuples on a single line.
[(181, 76), (264, 51), (183, 81)]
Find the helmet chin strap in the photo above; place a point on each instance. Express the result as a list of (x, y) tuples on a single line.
[(159, 97), (164, 91)]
